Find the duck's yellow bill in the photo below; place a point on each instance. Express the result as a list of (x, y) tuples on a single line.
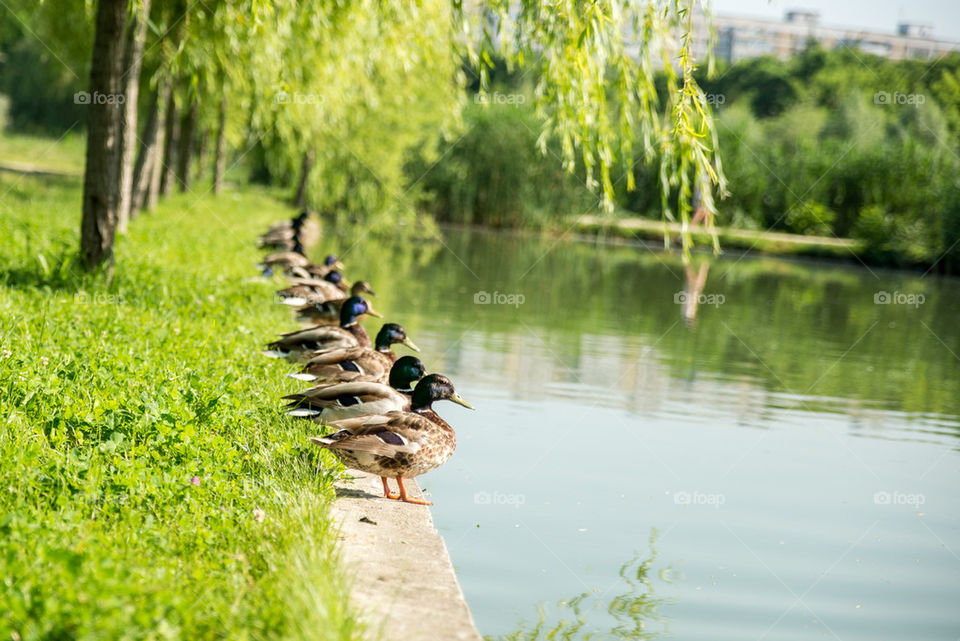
[(456, 398), (409, 343)]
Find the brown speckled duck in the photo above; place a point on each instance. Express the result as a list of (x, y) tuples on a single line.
[(398, 444)]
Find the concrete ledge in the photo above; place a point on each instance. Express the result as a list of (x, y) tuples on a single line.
[(402, 581)]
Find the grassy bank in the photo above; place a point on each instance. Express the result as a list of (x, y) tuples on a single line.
[(150, 488)]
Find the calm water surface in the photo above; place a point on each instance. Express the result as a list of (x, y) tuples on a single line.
[(784, 467)]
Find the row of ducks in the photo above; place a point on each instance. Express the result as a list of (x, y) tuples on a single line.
[(379, 405)]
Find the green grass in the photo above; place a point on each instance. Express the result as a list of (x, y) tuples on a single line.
[(46, 154), (140, 435)]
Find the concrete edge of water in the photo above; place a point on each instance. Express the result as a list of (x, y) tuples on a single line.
[(403, 584)]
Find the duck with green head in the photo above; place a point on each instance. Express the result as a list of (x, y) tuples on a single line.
[(350, 333), (356, 363), (325, 403), (398, 444)]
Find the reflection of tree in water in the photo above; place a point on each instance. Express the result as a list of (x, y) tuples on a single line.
[(631, 612)]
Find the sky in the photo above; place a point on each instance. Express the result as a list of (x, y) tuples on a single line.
[(879, 15)]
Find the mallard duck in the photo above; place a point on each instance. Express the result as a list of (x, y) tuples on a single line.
[(356, 363), (295, 263), (350, 333), (398, 444), (327, 310), (325, 403), (304, 290), (285, 235), (287, 259), (312, 270), (282, 225)]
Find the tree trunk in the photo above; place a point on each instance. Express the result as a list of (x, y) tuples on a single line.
[(132, 63), (143, 166), (220, 152), (101, 178), (143, 169), (188, 130), (300, 198), (156, 172), (203, 151), (171, 136)]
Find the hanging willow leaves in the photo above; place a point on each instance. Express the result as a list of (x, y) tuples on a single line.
[(595, 92)]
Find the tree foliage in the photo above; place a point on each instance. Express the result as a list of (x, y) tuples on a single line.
[(364, 87)]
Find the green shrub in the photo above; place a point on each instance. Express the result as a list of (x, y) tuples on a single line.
[(810, 218)]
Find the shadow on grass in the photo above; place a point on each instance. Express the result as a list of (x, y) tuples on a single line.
[(60, 272)]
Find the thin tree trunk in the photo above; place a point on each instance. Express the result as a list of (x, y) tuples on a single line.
[(300, 198), (188, 130), (101, 178), (132, 64), (203, 151), (171, 136), (156, 171), (220, 152), (143, 169)]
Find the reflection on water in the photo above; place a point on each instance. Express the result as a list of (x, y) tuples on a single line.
[(696, 280), (792, 435), (630, 614)]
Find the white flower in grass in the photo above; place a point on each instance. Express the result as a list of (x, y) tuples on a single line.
[(259, 515), (6, 354), (44, 361)]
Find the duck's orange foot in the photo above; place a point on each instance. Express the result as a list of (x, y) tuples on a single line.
[(408, 499), (387, 494)]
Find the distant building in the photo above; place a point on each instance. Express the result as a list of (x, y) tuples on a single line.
[(739, 38)]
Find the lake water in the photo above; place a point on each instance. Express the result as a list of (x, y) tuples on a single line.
[(785, 466)]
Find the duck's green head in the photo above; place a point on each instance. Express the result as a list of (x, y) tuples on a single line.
[(354, 307), (392, 333), (435, 387), (405, 372)]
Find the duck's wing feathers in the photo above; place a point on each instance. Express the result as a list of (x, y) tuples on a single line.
[(410, 425), (384, 435), (346, 394), (381, 443), (317, 338), (337, 355)]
